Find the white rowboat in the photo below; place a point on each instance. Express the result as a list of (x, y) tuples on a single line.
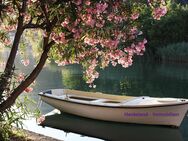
[(141, 110)]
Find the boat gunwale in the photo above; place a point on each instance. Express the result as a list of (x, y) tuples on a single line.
[(114, 106)]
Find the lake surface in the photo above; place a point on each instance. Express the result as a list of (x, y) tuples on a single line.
[(142, 78)]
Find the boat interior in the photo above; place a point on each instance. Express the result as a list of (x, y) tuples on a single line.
[(96, 98)]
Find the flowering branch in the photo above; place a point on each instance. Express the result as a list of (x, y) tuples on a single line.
[(94, 34)]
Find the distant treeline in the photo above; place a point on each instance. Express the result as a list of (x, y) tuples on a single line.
[(182, 1), (170, 33)]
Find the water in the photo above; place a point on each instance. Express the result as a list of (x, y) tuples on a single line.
[(114, 131), (150, 79), (143, 78)]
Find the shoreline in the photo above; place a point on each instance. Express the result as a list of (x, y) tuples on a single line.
[(32, 136)]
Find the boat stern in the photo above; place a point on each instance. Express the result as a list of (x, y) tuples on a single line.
[(45, 92), (53, 92)]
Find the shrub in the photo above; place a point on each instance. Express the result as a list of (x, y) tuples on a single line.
[(14, 117)]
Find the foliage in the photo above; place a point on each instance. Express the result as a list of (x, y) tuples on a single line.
[(14, 117), (125, 85), (170, 29), (92, 33)]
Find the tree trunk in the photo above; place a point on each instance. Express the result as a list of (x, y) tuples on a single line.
[(13, 96), (10, 62), (7, 103)]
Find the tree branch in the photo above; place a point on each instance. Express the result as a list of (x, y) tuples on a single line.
[(17, 5), (31, 25), (14, 49), (19, 32), (45, 13), (12, 98), (6, 104)]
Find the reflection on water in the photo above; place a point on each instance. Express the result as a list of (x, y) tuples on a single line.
[(169, 80), (112, 131), (56, 133)]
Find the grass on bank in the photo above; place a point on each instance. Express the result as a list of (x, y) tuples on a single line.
[(24, 135)]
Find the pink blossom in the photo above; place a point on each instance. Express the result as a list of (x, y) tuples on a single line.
[(41, 119), (77, 35), (140, 47), (77, 2), (10, 28), (21, 77), (87, 2), (77, 21), (91, 41), (65, 22), (25, 62), (59, 38), (62, 38), (101, 7), (90, 10), (134, 16), (105, 62), (7, 42), (28, 89), (63, 63), (129, 50), (114, 63), (110, 17), (133, 30), (159, 12), (9, 9), (90, 21), (45, 34), (100, 24), (27, 17), (125, 61), (112, 44), (91, 73)]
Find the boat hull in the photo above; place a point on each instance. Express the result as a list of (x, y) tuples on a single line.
[(171, 115)]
